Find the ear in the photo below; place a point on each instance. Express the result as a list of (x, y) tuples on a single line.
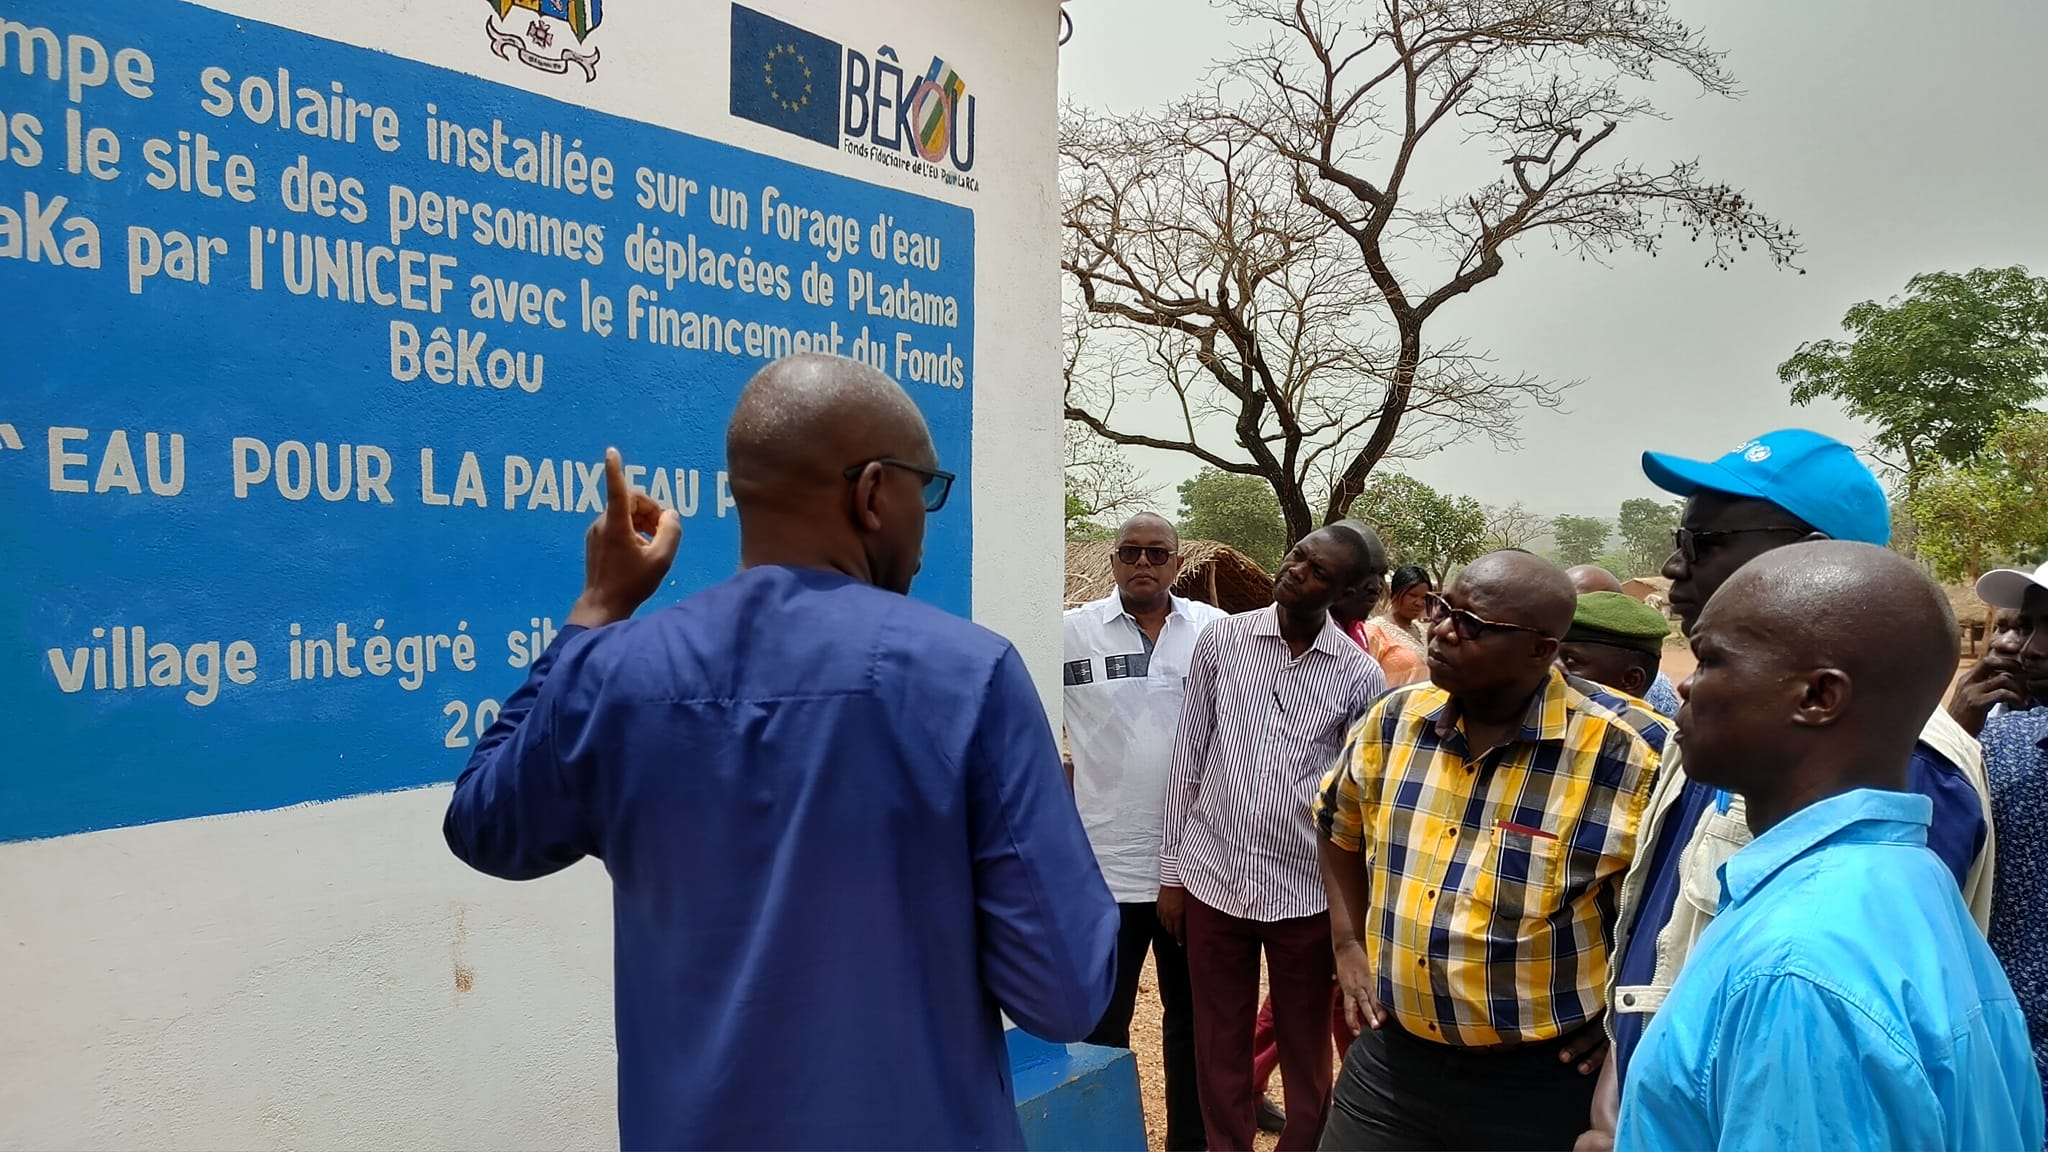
[(867, 499), (1638, 682), (1544, 651), (1824, 698)]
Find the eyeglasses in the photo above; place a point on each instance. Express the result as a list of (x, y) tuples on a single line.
[(1132, 553), (1468, 625), (1690, 543), (938, 484)]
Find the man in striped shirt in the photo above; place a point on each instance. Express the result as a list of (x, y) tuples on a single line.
[(1490, 815), (1270, 695)]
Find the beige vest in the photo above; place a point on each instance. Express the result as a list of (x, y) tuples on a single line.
[(1721, 835)]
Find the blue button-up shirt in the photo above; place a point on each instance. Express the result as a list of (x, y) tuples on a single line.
[(839, 839), (2016, 760), (1842, 998), (1956, 835)]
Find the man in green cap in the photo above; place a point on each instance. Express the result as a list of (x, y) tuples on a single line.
[(1616, 641)]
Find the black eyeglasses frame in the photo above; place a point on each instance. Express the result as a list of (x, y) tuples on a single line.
[(933, 477)]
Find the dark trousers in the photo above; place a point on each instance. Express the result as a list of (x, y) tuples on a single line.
[(1401, 1092), (1223, 963), (1141, 931)]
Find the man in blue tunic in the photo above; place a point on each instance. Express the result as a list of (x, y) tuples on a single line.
[(838, 832), (1843, 996)]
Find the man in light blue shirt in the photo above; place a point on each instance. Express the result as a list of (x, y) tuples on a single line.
[(1843, 996)]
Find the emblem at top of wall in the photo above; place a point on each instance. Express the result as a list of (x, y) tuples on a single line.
[(546, 34)]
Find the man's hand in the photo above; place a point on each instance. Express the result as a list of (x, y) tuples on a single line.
[(1173, 911), (1362, 1008), (1587, 1049), (1993, 680), (1606, 1113), (621, 568)]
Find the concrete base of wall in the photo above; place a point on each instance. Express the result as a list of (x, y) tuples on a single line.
[(1076, 1096)]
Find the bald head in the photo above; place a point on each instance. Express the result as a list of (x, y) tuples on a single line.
[(1589, 578), (1149, 523), (803, 420), (829, 460), (1819, 664), (1516, 587), (1864, 610)]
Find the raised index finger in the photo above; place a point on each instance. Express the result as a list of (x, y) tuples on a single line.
[(618, 499)]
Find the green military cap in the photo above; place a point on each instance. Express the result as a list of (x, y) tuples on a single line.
[(1619, 619)]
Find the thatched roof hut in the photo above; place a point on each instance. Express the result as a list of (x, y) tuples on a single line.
[(1211, 572)]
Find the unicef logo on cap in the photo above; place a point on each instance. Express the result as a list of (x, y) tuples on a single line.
[(1757, 453)]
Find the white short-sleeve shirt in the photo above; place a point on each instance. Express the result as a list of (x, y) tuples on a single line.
[(1122, 707)]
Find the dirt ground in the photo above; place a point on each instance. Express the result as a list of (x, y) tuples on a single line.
[(1151, 1077), (1678, 664)]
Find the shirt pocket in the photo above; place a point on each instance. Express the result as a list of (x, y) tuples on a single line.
[(1515, 877)]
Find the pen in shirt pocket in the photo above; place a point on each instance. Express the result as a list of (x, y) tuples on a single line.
[(1524, 829)]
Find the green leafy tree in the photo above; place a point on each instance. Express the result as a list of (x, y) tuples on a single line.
[(1936, 369), (1645, 527), (1993, 508), (1421, 525), (1618, 563), (1238, 510), (1580, 539)]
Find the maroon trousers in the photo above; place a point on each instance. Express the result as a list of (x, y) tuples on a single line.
[(1223, 969)]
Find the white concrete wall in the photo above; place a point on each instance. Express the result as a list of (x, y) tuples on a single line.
[(328, 975)]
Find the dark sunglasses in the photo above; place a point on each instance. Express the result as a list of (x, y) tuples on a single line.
[(938, 484), (1468, 625), (1690, 543), (1132, 553)]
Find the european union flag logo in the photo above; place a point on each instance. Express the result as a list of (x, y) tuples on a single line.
[(785, 77)]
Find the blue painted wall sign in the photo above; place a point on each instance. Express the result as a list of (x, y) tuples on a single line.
[(311, 358)]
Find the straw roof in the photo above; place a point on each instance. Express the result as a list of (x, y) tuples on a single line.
[(1212, 572)]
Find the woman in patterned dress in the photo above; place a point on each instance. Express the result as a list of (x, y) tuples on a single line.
[(1396, 638)]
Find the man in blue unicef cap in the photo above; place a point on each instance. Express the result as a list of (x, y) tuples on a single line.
[(1782, 488)]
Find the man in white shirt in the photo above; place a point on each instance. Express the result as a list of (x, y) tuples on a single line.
[(1125, 674)]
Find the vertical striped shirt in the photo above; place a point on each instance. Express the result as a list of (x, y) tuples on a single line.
[(1258, 728), (1493, 877)]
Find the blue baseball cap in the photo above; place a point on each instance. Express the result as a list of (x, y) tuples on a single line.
[(1812, 476)]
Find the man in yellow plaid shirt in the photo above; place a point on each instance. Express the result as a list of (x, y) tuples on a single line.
[(1473, 834)]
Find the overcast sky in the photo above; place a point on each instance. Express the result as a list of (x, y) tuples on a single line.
[(1895, 137)]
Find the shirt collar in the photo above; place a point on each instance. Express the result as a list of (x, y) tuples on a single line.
[(1866, 815), (1330, 640), (1544, 719), (1112, 606)]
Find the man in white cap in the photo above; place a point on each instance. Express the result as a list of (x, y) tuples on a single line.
[(2015, 741)]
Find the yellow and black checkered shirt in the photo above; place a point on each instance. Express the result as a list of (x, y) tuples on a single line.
[(1493, 881)]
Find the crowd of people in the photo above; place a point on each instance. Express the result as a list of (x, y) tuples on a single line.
[(1524, 842), (1509, 886)]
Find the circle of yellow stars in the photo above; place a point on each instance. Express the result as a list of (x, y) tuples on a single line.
[(768, 76)]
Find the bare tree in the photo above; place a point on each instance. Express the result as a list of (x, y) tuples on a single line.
[(1512, 527), (1276, 246), (1200, 279), (1102, 485)]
